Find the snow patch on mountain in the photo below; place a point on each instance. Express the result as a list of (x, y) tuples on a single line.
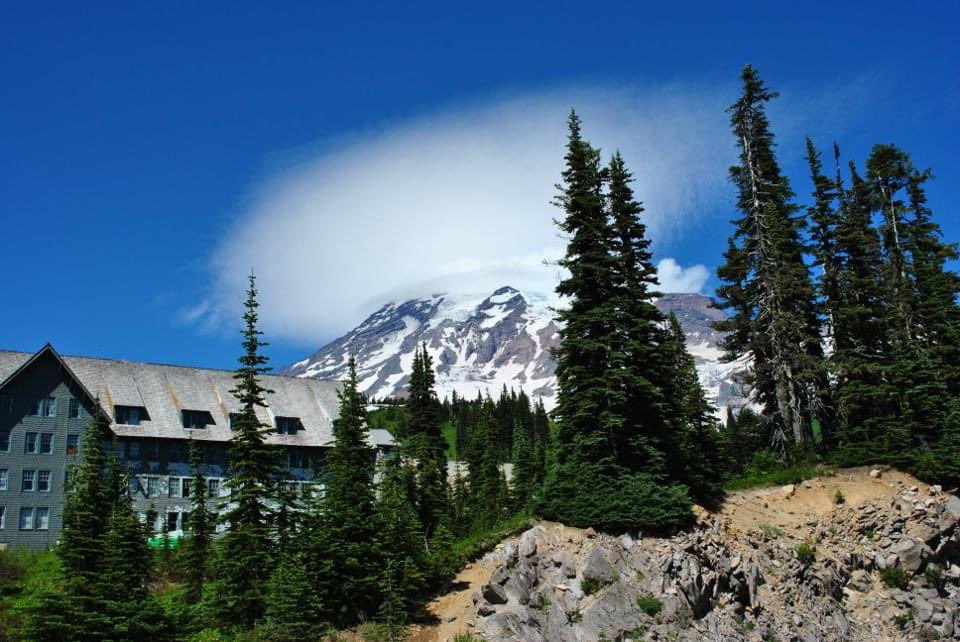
[(482, 342)]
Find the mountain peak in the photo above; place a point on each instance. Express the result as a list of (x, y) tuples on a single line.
[(482, 342)]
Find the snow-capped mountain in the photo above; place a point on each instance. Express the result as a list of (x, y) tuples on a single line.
[(481, 343)]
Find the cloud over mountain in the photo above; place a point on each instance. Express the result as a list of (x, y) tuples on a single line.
[(458, 200)]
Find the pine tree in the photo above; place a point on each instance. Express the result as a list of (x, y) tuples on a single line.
[(605, 470), (427, 444), (487, 490), (400, 549), (695, 430), (524, 468), (244, 561), (200, 527), (767, 283), (292, 607), (344, 540)]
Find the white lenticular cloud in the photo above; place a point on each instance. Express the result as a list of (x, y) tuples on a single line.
[(459, 200), (674, 277)]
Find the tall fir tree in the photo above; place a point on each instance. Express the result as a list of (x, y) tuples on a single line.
[(426, 442), (601, 475), (245, 552), (200, 527), (767, 285), (343, 555)]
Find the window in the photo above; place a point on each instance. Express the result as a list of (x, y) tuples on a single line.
[(289, 425), (45, 407), (43, 481), (176, 452), (196, 419), (185, 485), (153, 487), (3, 514), (173, 487), (73, 444), (172, 521), (46, 443), (26, 518), (4, 478), (42, 519), (298, 458), (30, 443), (6, 405), (29, 482), (151, 451), (73, 410), (4, 441), (134, 450), (129, 415), (213, 487)]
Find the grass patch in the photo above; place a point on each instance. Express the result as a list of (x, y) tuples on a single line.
[(24, 576), (649, 605), (465, 637), (591, 586), (450, 435), (806, 552), (771, 531), (755, 478), (895, 578)]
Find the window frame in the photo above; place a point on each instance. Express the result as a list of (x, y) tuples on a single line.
[(204, 415), (49, 487), (48, 436), (36, 518), (4, 479), (74, 437), (29, 521), (126, 413), (74, 408), (31, 438), (213, 487), (31, 474)]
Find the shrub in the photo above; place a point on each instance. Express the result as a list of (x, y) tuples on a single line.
[(591, 586), (895, 577), (464, 637), (838, 498), (806, 552), (771, 531), (935, 578), (649, 604)]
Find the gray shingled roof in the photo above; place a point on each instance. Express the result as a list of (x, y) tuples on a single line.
[(165, 390)]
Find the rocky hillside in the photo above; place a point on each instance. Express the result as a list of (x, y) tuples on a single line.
[(481, 343), (858, 555)]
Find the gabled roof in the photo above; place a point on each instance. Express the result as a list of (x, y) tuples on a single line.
[(166, 390)]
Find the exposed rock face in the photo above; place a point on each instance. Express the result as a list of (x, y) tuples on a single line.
[(563, 585), (481, 343)]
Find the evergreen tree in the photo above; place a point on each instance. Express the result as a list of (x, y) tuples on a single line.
[(427, 444), (696, 432), (767, 284), (200, 528), (487, 489), (292, 606), (244, 561), (400, 549), (524, 468), (344, 542)]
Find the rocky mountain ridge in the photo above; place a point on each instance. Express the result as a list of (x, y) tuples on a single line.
[(783, 564), (480, 343)]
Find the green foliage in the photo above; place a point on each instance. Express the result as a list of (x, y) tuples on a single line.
[(465, 637), (771, 531), (765, 469), (649, 604), (591, 585), (199, 529), (839, 498), (243, 563), (895, 577), (425, 443), (806, 552)]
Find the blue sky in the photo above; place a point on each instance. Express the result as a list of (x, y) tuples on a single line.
[(150, 157)]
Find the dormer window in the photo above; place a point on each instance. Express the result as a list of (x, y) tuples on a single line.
[(289, 425), (45, 407), (196, 419), (130, 415)]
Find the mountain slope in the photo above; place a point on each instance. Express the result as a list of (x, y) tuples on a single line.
[(482, 343)]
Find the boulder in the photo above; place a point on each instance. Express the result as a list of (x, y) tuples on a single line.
[(910, 554), (528, 544), (494, 594), (598, 568)]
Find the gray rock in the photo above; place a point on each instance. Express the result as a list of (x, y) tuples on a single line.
[(910, 554), (494, 593), (598, 568), (528, 544)]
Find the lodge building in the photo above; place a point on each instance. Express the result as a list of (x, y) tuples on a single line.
[(155, 410)]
